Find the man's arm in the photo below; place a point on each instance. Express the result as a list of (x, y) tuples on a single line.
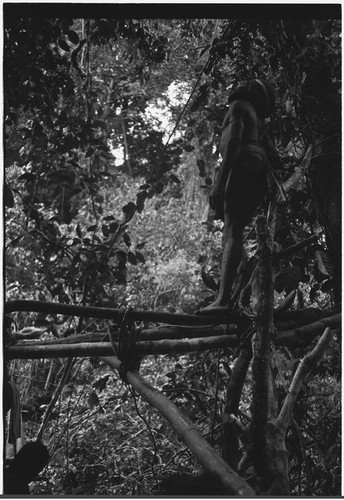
[(272, 154), (229, 149), (230, 146)]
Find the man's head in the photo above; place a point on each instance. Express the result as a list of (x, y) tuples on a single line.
[(258, 92)]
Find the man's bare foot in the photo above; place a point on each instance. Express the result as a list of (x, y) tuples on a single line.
[(214, 309)]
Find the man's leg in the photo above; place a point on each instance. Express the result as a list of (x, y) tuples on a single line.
[(244, 191), (232, 253)]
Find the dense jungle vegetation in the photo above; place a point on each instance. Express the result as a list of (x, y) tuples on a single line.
[(111, 135)]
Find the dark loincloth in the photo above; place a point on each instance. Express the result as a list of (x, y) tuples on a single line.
[(246, 184)]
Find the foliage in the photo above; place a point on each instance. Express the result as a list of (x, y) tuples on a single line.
[(62, 142), (313, 439), (108, 408)]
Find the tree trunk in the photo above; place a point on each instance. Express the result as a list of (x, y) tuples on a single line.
[(325, 180), (267, 449), (235, 385)]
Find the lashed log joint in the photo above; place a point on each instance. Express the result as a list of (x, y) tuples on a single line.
[(188, 333)]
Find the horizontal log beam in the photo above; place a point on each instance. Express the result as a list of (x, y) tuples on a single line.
[(295, 321), (299, 337), (87, 349), (302, 337), (306, 315), (158, 333), (115, 314)]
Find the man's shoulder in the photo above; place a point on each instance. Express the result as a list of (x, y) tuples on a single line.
[(239, 110)]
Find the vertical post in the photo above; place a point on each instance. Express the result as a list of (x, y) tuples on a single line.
[(230, 441), (267, 446)]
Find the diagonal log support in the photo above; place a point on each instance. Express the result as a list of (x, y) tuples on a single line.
[(188, 433)]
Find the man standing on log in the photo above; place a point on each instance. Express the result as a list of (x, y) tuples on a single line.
[(241, 183)]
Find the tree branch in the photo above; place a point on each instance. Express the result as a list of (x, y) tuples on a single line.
[(305, 366), (294, 248), (301, 337), (286, 304), (234, 390), (66, 372), (299, 172)]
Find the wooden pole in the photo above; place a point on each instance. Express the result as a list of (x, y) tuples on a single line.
[(305, 315), (267, 449), (299, 337), (36, 351), (187, 432), (115, 314)]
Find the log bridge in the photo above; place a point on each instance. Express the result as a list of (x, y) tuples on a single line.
[(173, 333)]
